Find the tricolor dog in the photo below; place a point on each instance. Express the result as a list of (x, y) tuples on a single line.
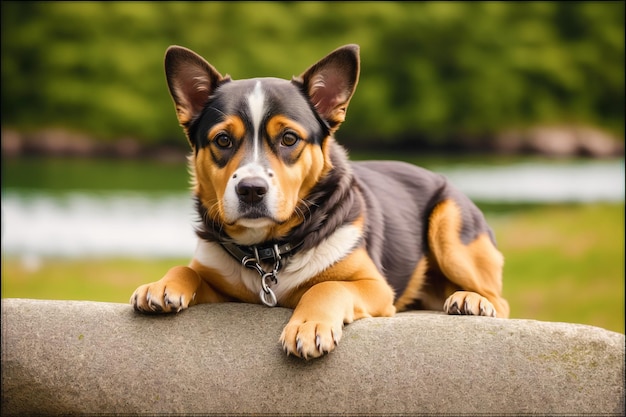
[(285, 219)]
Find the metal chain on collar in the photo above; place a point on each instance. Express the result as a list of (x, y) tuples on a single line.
[(266, 294)]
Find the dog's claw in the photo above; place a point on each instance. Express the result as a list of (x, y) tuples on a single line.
[(487, 310), (153, 298), (310, 339), (318, 343), (454, 309), (471, 304), (152, 305), (181, 303), (299, 347)]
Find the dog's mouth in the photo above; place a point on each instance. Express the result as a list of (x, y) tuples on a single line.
[(252, 216), (255, 222)]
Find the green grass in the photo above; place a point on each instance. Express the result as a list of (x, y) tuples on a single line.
[(563, 263), (63, 174), (99, 279)]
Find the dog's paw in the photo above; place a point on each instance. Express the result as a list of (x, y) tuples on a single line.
[(310, 339), (158, 297), (469, 303)]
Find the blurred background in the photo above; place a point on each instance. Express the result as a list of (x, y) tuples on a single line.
[(520, 104)]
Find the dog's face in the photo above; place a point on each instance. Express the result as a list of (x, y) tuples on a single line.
[(258, 154), (259, 145)]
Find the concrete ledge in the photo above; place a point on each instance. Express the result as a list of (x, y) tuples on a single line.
[(73, 357)]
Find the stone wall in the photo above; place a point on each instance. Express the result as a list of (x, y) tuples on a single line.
[(75, 357)]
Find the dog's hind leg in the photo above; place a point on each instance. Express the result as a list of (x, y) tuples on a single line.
[(475, 267)]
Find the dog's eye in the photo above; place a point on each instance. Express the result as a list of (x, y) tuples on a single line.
[(223, 141), (289, 139)]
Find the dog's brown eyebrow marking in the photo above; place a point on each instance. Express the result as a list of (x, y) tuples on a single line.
[(231, 124), (280, 122)]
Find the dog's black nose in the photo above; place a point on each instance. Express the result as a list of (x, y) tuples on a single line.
[(251, 190)]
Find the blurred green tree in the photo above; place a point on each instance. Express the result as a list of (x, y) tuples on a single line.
[(431, 71)]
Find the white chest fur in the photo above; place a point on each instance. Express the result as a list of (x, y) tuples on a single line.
[(298, 269)]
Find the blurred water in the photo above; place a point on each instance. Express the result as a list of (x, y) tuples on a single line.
[(102, 224), (542, 183), (82, 223)]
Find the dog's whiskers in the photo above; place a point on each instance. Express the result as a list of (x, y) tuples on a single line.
[(213, 214), (215, 109), (304, 204)]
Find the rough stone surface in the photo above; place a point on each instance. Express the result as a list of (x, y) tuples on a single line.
[(77, 357)]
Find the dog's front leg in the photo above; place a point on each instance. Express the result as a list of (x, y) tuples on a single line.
[(315, 327), (181, 287)]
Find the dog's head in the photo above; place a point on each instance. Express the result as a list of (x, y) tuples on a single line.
[(259, 145)]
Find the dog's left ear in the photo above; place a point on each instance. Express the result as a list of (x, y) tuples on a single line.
[(331, 82), (191, 81)]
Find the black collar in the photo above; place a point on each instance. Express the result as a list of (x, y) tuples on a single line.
[(268, 253)]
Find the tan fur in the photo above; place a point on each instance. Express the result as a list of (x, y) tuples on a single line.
[(350, 290), (414, 287), (476, 267), (180, 288), (221, 286), (295, 182), (232, 125), (280, 123)]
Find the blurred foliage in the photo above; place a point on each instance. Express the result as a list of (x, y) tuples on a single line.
[(431, 71)]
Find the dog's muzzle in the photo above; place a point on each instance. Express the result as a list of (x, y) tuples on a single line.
[(252, 190), (250, 196)]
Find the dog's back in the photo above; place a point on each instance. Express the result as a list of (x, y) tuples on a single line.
[(400, 198)]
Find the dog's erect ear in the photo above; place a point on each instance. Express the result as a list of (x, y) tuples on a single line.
[(191, 81), (331, 82)]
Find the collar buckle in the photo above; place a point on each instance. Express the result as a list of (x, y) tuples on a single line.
[(253, 261)]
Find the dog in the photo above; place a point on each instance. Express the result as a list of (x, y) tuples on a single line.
[(286, 219)]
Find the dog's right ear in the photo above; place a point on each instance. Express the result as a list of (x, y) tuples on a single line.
[(330, 83), (191, 81)]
